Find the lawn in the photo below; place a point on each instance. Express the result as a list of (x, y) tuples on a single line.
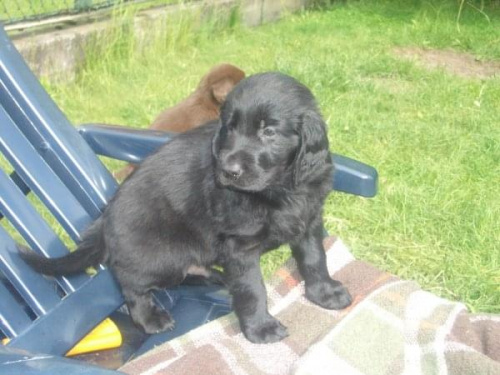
[(434, 136)]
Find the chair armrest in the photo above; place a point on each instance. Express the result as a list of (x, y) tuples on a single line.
[(121, 142), (354, 177), (133, 145)]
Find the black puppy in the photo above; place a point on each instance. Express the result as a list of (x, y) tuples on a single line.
[(221, 194)]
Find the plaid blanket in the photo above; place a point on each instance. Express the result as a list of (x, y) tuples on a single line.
[(392, 327)]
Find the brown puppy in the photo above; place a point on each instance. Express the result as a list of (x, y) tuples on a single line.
[(198, 108), (204, 103)]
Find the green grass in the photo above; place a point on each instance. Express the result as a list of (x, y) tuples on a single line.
[(434, 137)]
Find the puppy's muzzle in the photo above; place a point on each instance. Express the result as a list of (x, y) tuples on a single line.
[(232, 171)]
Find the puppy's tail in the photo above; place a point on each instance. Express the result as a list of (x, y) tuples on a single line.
[(90, 252)]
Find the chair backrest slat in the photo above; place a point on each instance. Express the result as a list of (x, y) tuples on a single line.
[(37, 233), (13, 318), (39, 293), (41, 179), (42, 122)]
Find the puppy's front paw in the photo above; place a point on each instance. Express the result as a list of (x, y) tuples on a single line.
[(329, 294), (265, 332)]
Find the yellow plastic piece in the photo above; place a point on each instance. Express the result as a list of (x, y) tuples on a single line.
[(105, 336)]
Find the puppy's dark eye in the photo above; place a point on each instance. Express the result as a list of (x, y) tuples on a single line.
[(268, 132)]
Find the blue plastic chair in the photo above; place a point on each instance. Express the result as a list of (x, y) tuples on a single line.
[(44, 155)]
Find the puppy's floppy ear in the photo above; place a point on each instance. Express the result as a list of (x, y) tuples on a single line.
[(221, 88), (215, 141), (313, 156), (227, 117)]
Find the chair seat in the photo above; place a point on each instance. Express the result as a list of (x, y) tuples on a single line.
[(190, 306)]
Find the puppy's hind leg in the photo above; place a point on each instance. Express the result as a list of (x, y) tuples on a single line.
[(197, 275), (145, 314)]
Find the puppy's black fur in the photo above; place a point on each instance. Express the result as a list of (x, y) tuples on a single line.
[(221, 194)]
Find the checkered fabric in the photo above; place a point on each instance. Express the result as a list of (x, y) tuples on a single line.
[(392, 327)]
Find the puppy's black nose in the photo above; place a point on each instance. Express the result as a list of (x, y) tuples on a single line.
[(232, 171)]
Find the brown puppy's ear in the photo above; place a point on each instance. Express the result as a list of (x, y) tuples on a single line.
[(221, 88), (313, 155)]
